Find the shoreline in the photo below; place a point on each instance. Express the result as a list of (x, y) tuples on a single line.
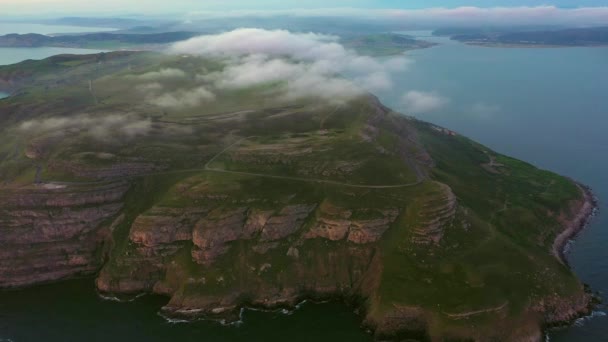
[(576, 225), (527, 46)]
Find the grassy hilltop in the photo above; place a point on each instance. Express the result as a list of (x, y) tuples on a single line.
[(242, 198)]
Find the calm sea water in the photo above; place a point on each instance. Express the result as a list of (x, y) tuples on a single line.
[(546, 106)]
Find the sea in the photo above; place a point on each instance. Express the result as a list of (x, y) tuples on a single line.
[(546, 106)]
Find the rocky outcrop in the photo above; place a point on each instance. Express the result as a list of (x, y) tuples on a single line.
[(213, 233), (51, 234), (368, 231), (557, 310), (333, 223), (574, 220), (162, 225), (435, 215), (337, 224), (117, 170), (286, 222), (207, 234), (265, 284)]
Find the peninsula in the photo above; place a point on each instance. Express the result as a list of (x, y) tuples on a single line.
[(123, 166)]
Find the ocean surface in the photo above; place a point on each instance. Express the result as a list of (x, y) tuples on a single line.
[(546, 106)]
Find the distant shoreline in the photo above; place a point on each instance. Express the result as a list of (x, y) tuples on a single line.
[(575, 226), (529, 46)]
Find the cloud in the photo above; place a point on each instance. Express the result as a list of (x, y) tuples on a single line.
[(251, 41), (418, 102), (333, 90), (376, 81), (303, 64), (149, 87), (163, 74), (182, 98), (99, 127)]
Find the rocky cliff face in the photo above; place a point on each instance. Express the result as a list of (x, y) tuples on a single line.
[(260, 238), (52, 234)]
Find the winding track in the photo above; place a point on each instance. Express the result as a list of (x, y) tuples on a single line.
[(301, 179), (208, 168), (477, 312)]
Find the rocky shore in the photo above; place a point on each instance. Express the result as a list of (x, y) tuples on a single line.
[(585, 209)]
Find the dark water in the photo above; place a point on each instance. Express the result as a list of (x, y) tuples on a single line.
[(546, 106), (72, 311)]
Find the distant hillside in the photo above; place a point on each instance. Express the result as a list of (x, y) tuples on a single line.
[(92, 40), (566, 37), (384, 44), (97, 22)]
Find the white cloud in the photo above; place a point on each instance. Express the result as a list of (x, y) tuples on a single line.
[(100, 126), (163, 74), (306, 64), (418, 102), (182, 98), (149, 87), (376, 81), (251, 41), (333, 90)]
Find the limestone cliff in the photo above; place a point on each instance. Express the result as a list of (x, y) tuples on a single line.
[(52, 234)]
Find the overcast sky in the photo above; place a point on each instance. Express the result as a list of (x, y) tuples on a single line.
[(49, 7)]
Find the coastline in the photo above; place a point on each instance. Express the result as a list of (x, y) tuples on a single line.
[(576, 225), (526, 46)]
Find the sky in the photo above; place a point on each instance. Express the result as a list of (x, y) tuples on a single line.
[(49, 7)]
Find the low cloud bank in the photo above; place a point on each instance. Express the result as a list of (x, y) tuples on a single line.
[(99, 127), (163, 74), (182, 98), (303, 64), (419, 102)]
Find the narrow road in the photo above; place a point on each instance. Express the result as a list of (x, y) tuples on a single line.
[(478, 312), (208, 168), (300, 179)]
